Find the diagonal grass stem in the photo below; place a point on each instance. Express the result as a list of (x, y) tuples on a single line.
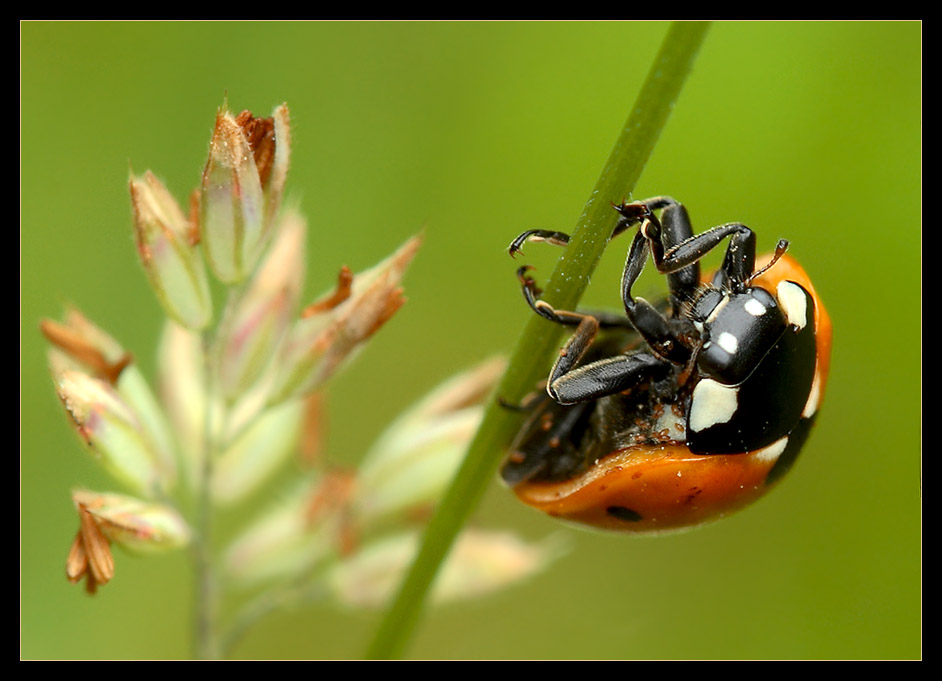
[(540, 338)]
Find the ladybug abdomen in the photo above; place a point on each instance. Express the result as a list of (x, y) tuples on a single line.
[(648, 489)]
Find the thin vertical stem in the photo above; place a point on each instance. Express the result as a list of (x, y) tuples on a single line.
[(204, 636), (532, 353)]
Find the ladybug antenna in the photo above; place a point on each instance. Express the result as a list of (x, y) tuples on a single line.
[(780, 249)]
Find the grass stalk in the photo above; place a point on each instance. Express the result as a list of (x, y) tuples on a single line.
[(540, 339)]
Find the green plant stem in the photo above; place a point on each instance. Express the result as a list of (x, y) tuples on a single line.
[(204, 637), (530, 358), (283, 596), (206, 640)]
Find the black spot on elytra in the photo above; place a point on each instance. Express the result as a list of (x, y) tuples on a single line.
[(623, 513)]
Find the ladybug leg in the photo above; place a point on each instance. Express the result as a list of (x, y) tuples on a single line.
[(531, 294), (673, 228), (672, 256), (676, 228), (570, 383), (738, 264), (629, 218), (550, 236), (669, 338)]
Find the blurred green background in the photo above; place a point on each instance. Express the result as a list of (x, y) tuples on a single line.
[(473, 132)]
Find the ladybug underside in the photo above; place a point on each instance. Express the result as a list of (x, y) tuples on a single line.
[(561, 441)]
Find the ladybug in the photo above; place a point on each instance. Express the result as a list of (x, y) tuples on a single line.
[(682, 411)]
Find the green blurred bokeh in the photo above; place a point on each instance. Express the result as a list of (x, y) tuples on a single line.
[(473, 132)]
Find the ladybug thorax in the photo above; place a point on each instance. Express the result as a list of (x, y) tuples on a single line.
[(737, 330), (755, 367)]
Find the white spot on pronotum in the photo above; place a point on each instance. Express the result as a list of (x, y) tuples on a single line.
[(755, 308), (712, 403), (728, 342), (811, 406), (792, 299), (773, 451)]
